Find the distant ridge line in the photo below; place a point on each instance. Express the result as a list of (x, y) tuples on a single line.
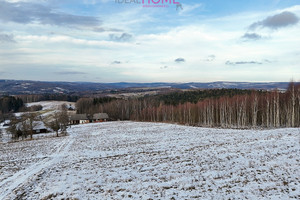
[(42, 87)]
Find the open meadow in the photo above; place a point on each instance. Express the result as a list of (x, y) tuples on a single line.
[(133, 160)]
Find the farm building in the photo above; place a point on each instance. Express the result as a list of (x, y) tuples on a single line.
[(39, 127), (85, 118)]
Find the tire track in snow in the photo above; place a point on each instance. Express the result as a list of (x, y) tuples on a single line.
[(22, 177)]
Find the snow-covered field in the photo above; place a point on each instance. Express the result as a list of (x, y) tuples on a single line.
[(51, 105), (131, 160)]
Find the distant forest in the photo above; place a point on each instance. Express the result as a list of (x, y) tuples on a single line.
[(47, 97), (228, 108), (177, 98), (10, 104)]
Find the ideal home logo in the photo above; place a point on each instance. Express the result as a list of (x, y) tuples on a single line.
[(150, 3)]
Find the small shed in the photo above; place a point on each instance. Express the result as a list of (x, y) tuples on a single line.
[(78, 119), (100, 117), (40, 128), (85, 118)]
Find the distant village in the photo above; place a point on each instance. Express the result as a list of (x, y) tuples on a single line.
[(42, 127), (51, 116)]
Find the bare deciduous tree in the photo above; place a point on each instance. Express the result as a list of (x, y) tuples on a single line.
[(59, 120), (30, 122), (53, 122), (13, 127), (64, 119), (256, 108)]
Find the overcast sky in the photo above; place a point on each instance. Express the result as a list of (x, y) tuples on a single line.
[(105, 41)]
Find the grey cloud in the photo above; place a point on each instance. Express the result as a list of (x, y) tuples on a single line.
[(100, 30), (210, 58), (267, 61), (116, 62), (25, 13), (276, 21), (69, 73), (243, 63), (114, 30), (251, 36), (7, 38), (164, 67), (124, 37), (179, 60)]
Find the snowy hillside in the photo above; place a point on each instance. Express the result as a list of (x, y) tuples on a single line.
[(52, 105), (130, 160)]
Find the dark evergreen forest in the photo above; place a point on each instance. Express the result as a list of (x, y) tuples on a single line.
[(10, 104)]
